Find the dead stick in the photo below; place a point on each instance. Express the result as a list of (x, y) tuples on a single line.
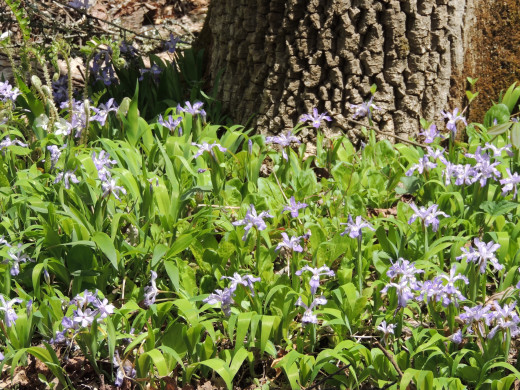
[(390, 357)]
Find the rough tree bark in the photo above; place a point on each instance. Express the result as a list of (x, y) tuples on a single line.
[(281, 58)]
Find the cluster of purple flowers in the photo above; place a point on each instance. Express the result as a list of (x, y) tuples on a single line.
[(78, 119), (253, 219), (67, 177), (55, 153), (431, 134), (426, 162), (60, 90), (86, 307), (493, 315), (225, 297), (440, 289), (103, 164), (7, 92), (309, 317), (103, 68)]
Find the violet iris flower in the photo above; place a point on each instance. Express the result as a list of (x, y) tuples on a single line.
[(364, 109), (170, 123), (453, 118), (83, 318), (353, 229), (427, 215), (315, 118), (205, 147), (103, 163), (316, 274), (67, 177), (483, 253), (431, 134), (171, 44), (283, 140), (17, 258), (504, 318), (224, 297), (7, 92), (103, 110), (7, 307), (194, 109), (253, 219), (110, 187), (294, 206), (246, 280), (510, 183), (308, 316), (292, 243)]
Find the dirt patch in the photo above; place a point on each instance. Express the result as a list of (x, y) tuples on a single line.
[(493, 54)]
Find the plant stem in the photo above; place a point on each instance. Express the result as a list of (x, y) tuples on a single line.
[(360, 266)]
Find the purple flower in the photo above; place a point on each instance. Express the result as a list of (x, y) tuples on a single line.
[(456, 337), (7, 141), (444, 293), (7, 92), (427, 215), (83, 300), (316, 274), (510, 183), (205, 147), (364, 109), (431, 134), (483, 253), (292, 243), (103, 110), (308, 316), (60, 89), (7, 307), (484, 168), (423, 164), (194, 109), (405, 271), (354, 229), (497, 152), (170, 123), (78, 4), (83, 318), (110, 187), (67, 177), (224, 297), (474, 314), (294, 206), (504, 318), (68, 323), (386, 329), (103, 307), (253, 219), (103, 163), (2, 357), (17, 257), (127, 48), (151, 291), (55, 152), (246, 280), (171, 44), (453, 118), (155, 70), (124, 369), (315, 118), (283, 140), (404, 292)]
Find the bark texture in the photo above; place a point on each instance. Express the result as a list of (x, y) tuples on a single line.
[(281, 58)]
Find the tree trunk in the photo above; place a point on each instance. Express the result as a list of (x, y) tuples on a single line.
[(279, 58)]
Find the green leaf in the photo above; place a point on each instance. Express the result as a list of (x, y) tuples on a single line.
[(111, 335), (499, 129), (515, 135), (158, 361), (158, 253), (106, 246), (221, 368), (496, 209), (500, 112)]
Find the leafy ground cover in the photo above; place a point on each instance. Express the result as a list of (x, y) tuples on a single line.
[(151, 246)]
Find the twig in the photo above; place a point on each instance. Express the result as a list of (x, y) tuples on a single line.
[(323, 380), (342, 126), (390, 357)]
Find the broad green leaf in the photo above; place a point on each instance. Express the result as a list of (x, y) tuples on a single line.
[(106, 245)]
